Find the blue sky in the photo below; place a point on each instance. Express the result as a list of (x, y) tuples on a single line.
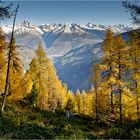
[(103, 12)]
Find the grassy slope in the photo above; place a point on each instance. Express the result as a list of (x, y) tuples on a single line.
[(19, 122)]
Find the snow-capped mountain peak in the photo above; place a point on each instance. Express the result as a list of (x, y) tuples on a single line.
[(71, 27), (73, 48), (27, 24)]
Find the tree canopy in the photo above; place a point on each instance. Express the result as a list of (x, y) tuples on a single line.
[(133, 7)]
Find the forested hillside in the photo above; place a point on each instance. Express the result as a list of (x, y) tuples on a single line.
[(36, 104), (114, 99)]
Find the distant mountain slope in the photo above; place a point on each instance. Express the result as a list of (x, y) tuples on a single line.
[(74, 68), (127, 35), (26, 54), (72, 47)]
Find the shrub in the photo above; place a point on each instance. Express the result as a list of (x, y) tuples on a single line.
[(7, 126), (33, 131)]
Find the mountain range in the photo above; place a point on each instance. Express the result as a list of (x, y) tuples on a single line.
[(73, 48)]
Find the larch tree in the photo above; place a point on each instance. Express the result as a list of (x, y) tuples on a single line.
[(5, 10), (122, 64), (107, 66), (9, 62), (26, 84), (129, 105), (31, 99), (16, 72), (96, 79), (100, 102), (56, 91), (70, 101), (84, 102), (70, 105), (133, 7), (135, 69), (38, 73), (43, 74), (78, 102), (91, 99), (3, 47), (63, 93)]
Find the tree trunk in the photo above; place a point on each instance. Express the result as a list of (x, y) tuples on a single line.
[(8, 67), (96, 94), (120, 89)]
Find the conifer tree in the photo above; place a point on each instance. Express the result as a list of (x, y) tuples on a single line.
[(52, 100), (85, 103), (16, 72), (135, 69), (59, 106), (43, 74), (63, 93), (39, 75), (3, 46), (9, 62), (78, 102), (133, 7), (107, 66), (31, 98), (70, 95), (122, 64), (129, 105), (91, 99), (26, 84), (69, 105), (96, 79), (5, 10)]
